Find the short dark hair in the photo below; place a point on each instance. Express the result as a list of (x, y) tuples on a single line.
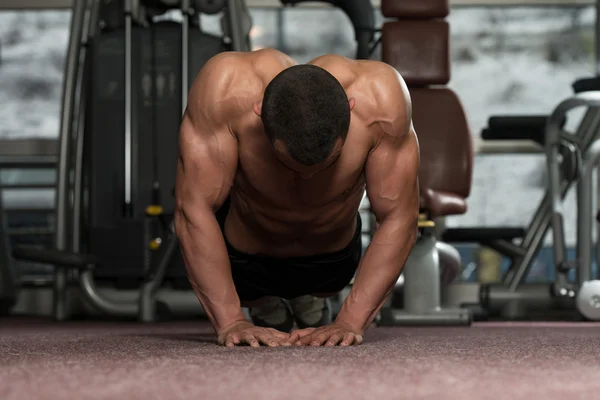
[(307, 108)]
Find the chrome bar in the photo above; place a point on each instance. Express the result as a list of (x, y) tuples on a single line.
[(128, 9), (66, 120), (234, 17), (585, 214), (185, 53)]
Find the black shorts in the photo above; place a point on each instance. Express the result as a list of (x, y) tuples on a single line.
[(256, 276)]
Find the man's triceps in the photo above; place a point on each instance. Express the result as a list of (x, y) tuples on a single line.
[(207, 167)]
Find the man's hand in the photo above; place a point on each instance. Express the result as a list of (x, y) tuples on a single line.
[(329, 335), (245, 333)]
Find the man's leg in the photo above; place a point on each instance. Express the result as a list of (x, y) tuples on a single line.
[(270, 312), (312, 311), (335, 271)]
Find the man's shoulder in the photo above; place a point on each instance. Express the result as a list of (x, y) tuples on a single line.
[(389, 98), (230, 82)]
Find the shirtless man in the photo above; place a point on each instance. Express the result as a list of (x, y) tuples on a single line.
[(283, 153)]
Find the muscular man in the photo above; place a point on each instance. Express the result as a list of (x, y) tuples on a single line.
[(274, 161)]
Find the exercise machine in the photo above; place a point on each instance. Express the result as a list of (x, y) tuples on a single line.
[(118, 146), (586, 287), (513, 297), (507, 297), (446, 159), (421, 285)]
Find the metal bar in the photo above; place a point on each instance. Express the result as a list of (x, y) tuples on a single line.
[(151, 285), (535, 296), (597, 224), (28, 162), (28, 147), (128, 9), (93, 295), (80, 139), (66, 120), (234, 25), (67, 4), (28, 186), (185, 53), (422, 270), (597, 44), (585, 214)]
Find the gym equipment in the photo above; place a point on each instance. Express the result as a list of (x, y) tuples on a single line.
[(564, 154), (8, 276), (446, 156), (564, 162), (118, 146), (361, 15), (586, 287), (421, 286)]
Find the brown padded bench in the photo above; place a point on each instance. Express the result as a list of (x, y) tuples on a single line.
[(416, 41)]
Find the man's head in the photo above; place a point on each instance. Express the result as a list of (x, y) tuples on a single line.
[(306, 115)]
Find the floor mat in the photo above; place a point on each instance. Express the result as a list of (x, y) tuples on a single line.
[(100, 360)]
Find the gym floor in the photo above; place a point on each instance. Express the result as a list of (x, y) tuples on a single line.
[(41, 359)]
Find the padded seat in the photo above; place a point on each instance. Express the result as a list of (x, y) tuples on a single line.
[(439, 203), (417, 44), (446, 151)]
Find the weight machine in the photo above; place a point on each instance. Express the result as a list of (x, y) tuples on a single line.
[(571, 158), (91, 232)]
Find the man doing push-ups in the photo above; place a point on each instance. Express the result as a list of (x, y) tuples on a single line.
[(275, 158)]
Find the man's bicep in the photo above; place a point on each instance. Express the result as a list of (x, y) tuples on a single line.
[(392, 178), (207, 165)]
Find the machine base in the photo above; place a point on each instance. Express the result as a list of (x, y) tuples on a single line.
[(440, 317)]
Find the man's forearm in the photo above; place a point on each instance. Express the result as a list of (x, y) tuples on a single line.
[(377, 273), (207, 263)]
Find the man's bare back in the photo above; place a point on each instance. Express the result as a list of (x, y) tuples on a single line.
[(280, 207)]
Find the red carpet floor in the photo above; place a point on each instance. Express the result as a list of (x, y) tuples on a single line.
[(128, 361)]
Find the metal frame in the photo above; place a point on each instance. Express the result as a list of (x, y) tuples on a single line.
[(422, 289), (548, 214), (67, 255), (587, 286), (512, 294)]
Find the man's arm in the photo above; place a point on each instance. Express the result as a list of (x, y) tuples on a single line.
[(207, 166), (393, 191)]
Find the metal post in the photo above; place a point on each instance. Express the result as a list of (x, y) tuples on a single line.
[(80, 139), (585, 214), (597, 224), (153, 281), (422, 278), (597, 28), (128, 10), (62, 185), (185, 50), (235, 25)]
